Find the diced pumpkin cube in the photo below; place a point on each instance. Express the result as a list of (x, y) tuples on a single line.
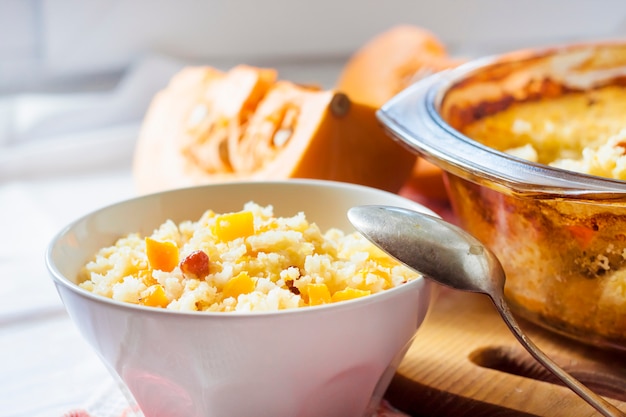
[(154, 296), (318, 294), (349, 294), (145, 276), (583, 235), (376, 272), (161, 255), (383, 259), (241, 284), (231, 226)]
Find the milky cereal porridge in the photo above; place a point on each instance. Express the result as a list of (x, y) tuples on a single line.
[(248, 260)]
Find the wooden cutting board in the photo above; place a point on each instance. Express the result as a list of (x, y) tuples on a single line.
[(464, 361)]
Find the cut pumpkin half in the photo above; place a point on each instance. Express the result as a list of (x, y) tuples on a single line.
[(387, 64), (245, 124)]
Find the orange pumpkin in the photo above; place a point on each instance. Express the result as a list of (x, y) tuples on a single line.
[(213, 126), (387, 64)]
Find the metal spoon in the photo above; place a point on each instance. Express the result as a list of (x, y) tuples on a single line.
[(452, 257)]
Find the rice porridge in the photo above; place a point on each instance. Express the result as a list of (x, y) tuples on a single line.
[(249, 260)]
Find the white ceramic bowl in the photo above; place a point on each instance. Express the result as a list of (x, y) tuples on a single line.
[(333, 360)]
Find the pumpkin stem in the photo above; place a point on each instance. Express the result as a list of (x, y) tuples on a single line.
[(340, 105)]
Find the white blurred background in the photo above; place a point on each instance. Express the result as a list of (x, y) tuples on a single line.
[(46, 44)]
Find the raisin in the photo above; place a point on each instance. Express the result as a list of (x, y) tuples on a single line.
[(292, 287), (196, 263)]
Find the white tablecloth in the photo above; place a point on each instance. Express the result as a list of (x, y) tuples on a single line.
[(61, 156), (47, 369)]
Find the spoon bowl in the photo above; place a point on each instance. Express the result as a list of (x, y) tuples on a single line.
[(452, 257), (435, 248)]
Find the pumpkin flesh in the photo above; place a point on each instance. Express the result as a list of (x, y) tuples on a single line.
[(253, 127)]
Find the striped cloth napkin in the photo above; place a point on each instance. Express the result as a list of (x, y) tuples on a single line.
[(111, 402)]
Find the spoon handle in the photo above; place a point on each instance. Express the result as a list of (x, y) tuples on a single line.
[(600, 404)]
